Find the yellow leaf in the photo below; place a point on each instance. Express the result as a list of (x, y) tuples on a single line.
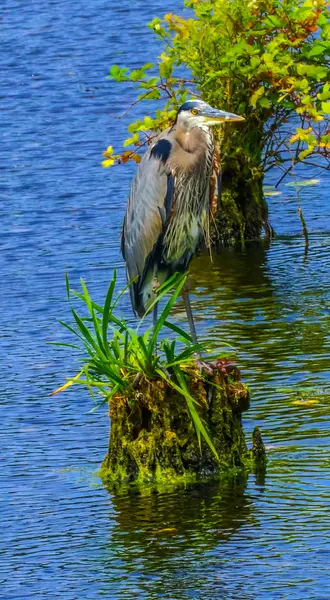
[(306, 153), (165, 530), (108, 152), (66, 385), (303, 183), (255, 97), (136, 157), (294, 138), (305, 402), (107, 163)]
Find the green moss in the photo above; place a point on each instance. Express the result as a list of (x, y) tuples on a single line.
[(152, 437), (242, 209)]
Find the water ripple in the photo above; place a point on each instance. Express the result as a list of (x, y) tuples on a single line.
[(63, 534)]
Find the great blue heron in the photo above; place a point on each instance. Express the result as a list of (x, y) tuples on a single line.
[(169, 204)]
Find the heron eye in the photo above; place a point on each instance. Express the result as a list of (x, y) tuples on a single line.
[(194, 111)]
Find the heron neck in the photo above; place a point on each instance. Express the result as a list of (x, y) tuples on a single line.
[(191, 147)]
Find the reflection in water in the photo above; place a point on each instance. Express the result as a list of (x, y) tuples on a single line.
[(163, 537), (271, 306)]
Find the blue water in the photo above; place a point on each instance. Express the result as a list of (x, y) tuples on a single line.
[(63, 534)]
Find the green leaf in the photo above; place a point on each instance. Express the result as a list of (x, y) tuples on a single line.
[(96, 306), (118, 73), (326, 107), (264, 102), (114, 70), (152, 95), (254, 62), (325, 94), (316, 51), (132, 140), (148, 123), (133, 127), (147, 66), (306, 152), (136, 75), (150, 83), (166, 68), (67, 326)]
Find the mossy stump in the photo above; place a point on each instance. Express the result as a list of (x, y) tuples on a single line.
[(242, 212), (152, 436)]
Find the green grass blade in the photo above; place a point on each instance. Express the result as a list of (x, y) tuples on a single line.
[(67, 286), (189, 354), (199, 425), (86, 296), (96, 306), (124, 291), (64, 344), (178, 330), (88, 336), (126, 346), (98, 333), (107, 307), (116, 347), (106, 399), (72, 330), (191, 402), (173, 281), (164, 314)]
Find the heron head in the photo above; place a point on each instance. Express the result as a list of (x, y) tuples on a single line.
[(196, 113)]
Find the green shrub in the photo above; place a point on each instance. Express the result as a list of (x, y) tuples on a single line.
[(265, 60)]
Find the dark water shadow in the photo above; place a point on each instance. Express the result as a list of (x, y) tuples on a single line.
[(159, 533), (264, 302)]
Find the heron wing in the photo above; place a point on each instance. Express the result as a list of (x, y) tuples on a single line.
[(149, 204)]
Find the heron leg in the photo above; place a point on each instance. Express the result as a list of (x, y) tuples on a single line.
[(155, 286), (154, 315), (203, 366), (185, 295), (155, 281)]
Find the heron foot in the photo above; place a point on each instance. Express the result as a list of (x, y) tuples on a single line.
[(204, 367)]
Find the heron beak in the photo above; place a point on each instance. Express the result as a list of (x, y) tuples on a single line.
[(216, 117)]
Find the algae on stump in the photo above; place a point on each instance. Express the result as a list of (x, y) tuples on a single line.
[(153, 438), (241, 212)]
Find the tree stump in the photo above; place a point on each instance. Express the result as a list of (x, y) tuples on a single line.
[(241, 212), (152, 436)]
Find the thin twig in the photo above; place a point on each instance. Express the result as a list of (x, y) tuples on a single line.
[(303, 222), (305, 231)]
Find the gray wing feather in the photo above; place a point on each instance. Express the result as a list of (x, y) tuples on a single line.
[(149, 203)]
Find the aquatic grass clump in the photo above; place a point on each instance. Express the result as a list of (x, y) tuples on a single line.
[(117, 358)]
